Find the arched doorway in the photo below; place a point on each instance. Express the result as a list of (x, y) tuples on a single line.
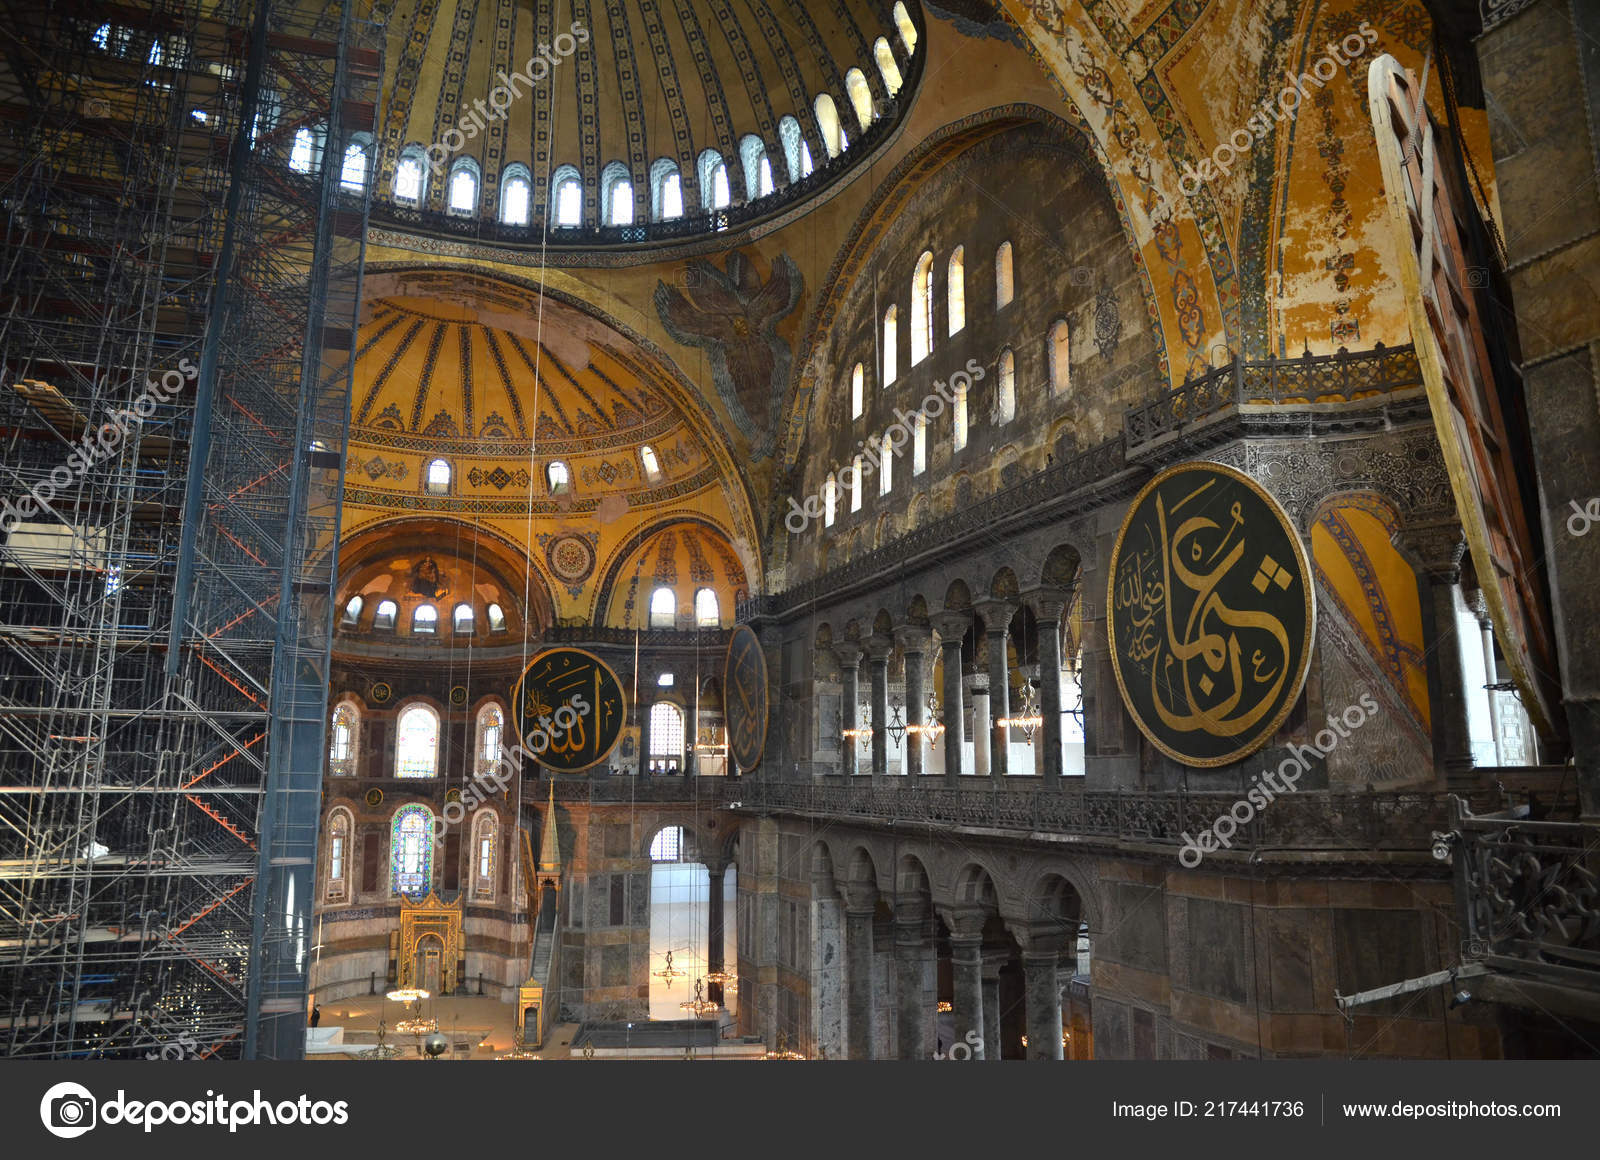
[(682, 923)]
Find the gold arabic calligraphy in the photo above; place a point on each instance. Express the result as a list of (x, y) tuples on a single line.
[(1199, 653)]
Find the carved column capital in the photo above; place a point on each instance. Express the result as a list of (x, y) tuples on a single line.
[(1436, 548)]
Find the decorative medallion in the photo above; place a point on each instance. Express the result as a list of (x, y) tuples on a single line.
[(1211, 614), (452, 794), (381, 692), (374, 798), (745, 697), (569, 708), (458, 695), (571, 559)]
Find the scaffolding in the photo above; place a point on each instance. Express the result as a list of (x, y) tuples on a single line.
[(179, 286)]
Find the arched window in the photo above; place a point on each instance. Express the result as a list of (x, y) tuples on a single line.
[(651, 465), (411, 176), (516, 195), (757, 168), (958, 418), (666, 737), (855, 84), (855, 484), (557, 477), (352, 611), (385, 616), (667, 845), (887, 68), (1002, 275), (922, 309), (1059, 351), (303, 153), (885, 464), (908, 30), (1005, 391), (707, 613), (497, 618), (357, 156), (796, 153), (858, 384), (483, 833), (416, 742), (616, 195), (956, 289), (828, 126), (713, 171), (342, 741), (666, 190), (491, 728), (425, 620), (411, 850), (566, 195), (830, 500), (338, 880), (919, 443), (462, 191), (462, 619), (437, 477), (891, 328), (663, 608)]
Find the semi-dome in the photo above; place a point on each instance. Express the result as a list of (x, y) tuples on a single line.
[(630, 122)]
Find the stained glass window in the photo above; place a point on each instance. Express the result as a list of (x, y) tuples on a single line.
[(411, 850), (416, 751)]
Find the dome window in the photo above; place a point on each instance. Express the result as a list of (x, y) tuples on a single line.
[(463, 188), (437, 478)]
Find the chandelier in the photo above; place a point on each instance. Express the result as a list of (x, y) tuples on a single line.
[(721, 978), (417, 1026), (699, 1006), (862, 733), (408, 995), (782, 1050), (932, 726), (897, 719), (1029, 720), (381, 1050), (668, 972)]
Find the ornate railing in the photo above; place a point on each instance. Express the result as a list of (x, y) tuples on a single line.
[(706, 791), (580, 634), (1530, 894), (1302, 821), (1333, 378)]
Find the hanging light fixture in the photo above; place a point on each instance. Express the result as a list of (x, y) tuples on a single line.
[(862, 733), (897, 719), (721, 978), (782, 1050), (668, 972), (931, 726), (1029, 720), (408, 995), (417, 1026), (699, 1006)]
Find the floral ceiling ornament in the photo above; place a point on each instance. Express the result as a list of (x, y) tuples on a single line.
[(733, 315)]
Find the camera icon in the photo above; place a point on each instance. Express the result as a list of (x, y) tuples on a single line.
[(68, 1110), (1080, 275), (1477, 276)]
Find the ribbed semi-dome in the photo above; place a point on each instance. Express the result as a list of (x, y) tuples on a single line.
[(628, 122)]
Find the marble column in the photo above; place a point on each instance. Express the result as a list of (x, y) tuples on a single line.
[(878, 650), (1049, 605), (997, 616), (858, 974), (849, 655), (992, 962), (966, 970), (911, 954), (914, 646), (714, 928), (1042, 944), (1438, 549), (952, 626)]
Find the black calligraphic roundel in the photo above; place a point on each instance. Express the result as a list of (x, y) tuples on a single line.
[(569, 709), (744, 696), (1211, 614)]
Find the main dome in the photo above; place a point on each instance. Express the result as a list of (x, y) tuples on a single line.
[(633, 122)]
